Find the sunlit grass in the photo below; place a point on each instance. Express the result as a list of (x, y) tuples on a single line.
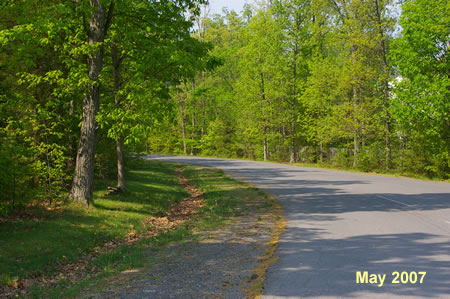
[(29, 248)]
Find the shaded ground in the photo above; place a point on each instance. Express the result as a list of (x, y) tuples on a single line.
[(221, 259), (339, 223), (45, 248), (228, 262)]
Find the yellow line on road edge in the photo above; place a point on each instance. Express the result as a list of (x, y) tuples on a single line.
[(268, 258)]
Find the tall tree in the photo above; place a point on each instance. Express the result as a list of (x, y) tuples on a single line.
[(421, 105), (100, 21), (143, 50), (295, 19), (39, 70), (384, 24), (262, 68), (96, 31)]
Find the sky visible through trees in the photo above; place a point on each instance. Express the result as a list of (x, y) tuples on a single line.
[(216, 6)]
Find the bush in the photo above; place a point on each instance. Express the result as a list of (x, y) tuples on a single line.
[(16, 177), (371, 157), (342, 158)]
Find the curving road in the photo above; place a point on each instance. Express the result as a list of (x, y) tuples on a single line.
[(339, 223)]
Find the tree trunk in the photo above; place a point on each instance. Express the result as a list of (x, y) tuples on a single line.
[(117, 60), (387, 117), (203, 100), (292, 158), (402, 150), (355, 111), (363, 135), (263, 100), (84, 167), (266, 150), (193, 132), (203, 115), (183, 127), (120, 166), (72, 145), (321, 152)]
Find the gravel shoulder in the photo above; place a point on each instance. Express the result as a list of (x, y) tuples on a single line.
[(227, 262)]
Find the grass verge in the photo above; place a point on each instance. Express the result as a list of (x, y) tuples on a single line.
[(33, 248), (379, 172)]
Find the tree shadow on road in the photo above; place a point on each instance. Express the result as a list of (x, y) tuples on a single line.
[(316, 259), (327, 267)]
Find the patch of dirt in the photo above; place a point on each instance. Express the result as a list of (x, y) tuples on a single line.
[(178, 214), (181, 211)]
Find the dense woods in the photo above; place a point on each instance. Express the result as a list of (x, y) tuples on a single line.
[(350, 84), (79, 81), (359, 84)]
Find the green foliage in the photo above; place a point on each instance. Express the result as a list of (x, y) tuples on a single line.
[(216, 142), (15, 175), (421, 105), (329, 79), (371, 158), (68, 234), (40, 77), (324, 80), (74, 231), (43, 79)]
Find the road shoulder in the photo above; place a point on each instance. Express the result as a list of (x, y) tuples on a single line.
[(228, 261)]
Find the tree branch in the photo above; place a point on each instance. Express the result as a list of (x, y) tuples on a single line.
[(85, 26), (338, 9), (109, 16)]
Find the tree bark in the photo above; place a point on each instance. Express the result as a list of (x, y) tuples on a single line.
[(263, 99), (292, 158), (266, 150), (84, 168), (387, 116), (363, 135), (72, 145), (321, 152), (183, 127), (120, 166), (203, 115), (117, 61), (356, 136)]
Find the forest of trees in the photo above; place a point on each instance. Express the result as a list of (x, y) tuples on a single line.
[(359, 84)]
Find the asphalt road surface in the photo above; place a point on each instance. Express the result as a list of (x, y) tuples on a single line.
[(341, 223)]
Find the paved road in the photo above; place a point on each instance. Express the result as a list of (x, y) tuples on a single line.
[(339, 223)]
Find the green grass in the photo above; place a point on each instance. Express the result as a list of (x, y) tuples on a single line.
[(221, 198), (31, 248), (390, 173)]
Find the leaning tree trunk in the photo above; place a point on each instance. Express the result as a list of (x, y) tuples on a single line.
[(84, 167)]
